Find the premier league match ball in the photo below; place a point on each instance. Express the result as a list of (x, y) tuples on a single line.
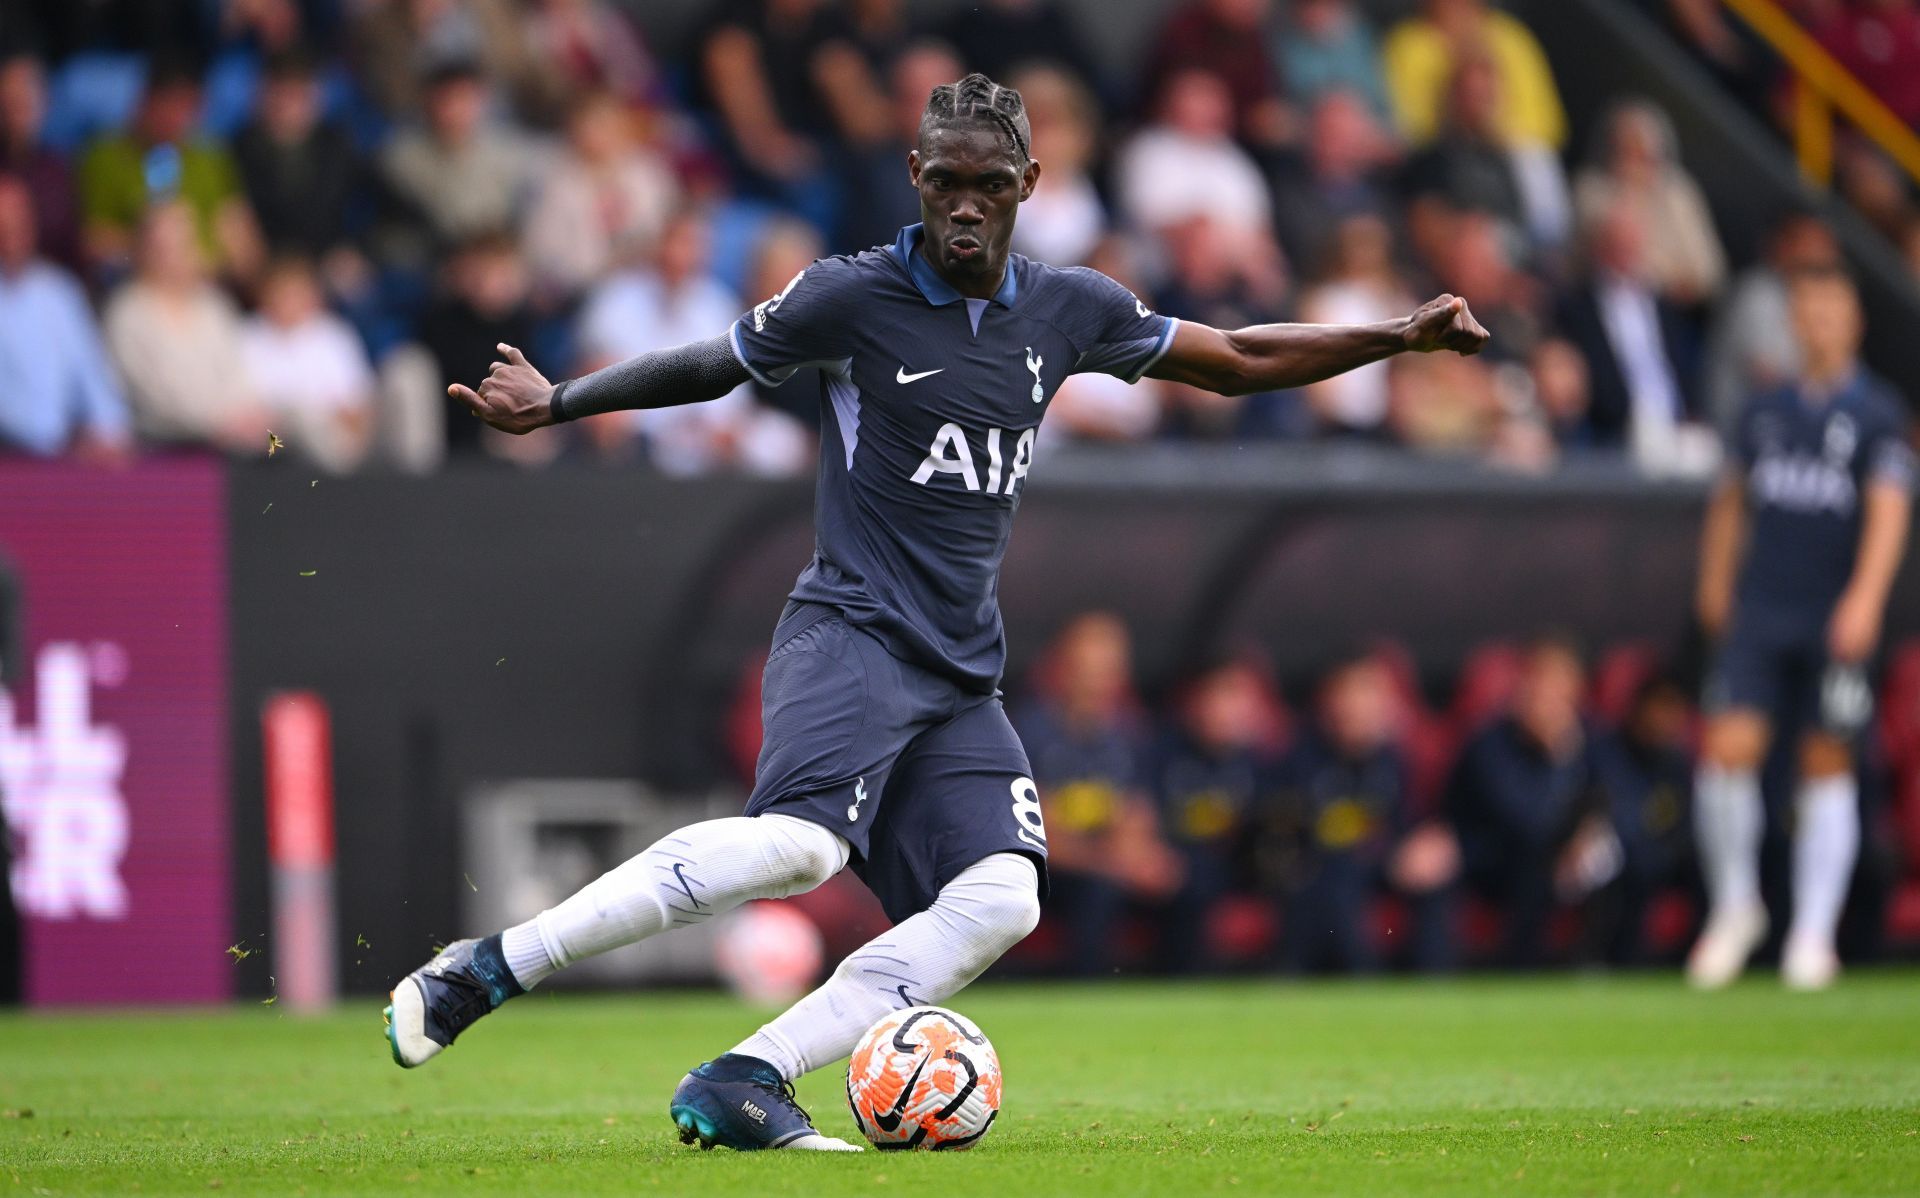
[(924, 1078)]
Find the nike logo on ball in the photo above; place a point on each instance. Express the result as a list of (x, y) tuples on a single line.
[(903, 377)]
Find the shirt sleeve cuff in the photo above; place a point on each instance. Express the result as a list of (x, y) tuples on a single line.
[(1159, 351), (740, 353)]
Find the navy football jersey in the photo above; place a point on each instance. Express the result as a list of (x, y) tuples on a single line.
[(929, 405), (1806, 462)]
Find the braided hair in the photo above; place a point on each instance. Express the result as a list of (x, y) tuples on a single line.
[(978, 98)]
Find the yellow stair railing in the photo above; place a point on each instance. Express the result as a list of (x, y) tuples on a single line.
[(1820, 87)]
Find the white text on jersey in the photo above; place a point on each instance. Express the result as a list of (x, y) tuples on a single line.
[(949, 454)]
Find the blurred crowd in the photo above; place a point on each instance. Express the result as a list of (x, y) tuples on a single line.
[(221, 219), (1540, 812), (1875, 41)]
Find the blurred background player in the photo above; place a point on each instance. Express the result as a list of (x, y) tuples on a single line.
[(1801, 543)]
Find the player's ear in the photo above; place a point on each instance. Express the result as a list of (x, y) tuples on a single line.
[(913, 168), (1029, 179)]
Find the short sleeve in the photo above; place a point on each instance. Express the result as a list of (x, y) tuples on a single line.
[(1890, 457), (810, 322), (1119, 335)]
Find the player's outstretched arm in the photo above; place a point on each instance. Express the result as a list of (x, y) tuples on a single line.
[(516, 398), (1855, 626), (1273, 357), (1722, 535)]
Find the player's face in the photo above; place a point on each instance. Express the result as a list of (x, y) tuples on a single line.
[(971, 184), (1826, 319)]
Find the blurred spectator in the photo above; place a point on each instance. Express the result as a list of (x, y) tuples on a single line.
[(995, 37), (1420, 54), (1360, 286), (46, 173), (1100, 407), (1639, 167), (1648, 770), (582, 47), (1343, 173), (851, 70), (457, 175), (881, 198), (60, 395), (1444, 405), (757, 68), (1562, 390), (1451, 404), (162, 158), (1087, 745), (1186, 164), (1529, 804), (1228, 39), (398, 47), (1634, 341), (1875, 187), (247, 34), (1752, 347), (1224, 278), (1326, 832), (1213, 768), (1065, 218), (1744, 63), (309, 368), (483, 302), (302, 175), (1473, 164), (605, 199), (670, 301), (1324, 46), (175, 337), (1468, 253), (785, 248)]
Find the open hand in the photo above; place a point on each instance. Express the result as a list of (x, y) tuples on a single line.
[(1853, 628), (514, 398), (1445, 323)]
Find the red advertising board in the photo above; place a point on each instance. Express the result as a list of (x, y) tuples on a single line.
[(113, 729)]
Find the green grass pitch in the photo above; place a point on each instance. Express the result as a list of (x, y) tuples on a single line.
[(1484, 1086)]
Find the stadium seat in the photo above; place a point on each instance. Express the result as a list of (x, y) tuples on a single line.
[(1620, 673), (89, 94), (1900, 734), (1487, 679)]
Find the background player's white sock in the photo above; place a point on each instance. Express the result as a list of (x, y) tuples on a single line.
[(979, 915), (685, 878), (1826, 840), (1728, 819)]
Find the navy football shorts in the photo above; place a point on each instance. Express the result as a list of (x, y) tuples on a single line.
[(1786, 676), (922, 778)]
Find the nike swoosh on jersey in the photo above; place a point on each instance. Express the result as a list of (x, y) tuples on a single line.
[(901, 376)]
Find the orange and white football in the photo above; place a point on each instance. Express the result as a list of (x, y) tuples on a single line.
[(924, 1078)]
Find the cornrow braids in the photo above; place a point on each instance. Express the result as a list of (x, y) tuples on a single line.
[(979, 98)]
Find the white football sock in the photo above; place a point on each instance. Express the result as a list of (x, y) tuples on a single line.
[(1728, 819), (926, 958), (1826, 840), (685, 878)]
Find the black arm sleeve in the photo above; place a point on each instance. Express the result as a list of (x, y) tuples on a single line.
[(700, 370)]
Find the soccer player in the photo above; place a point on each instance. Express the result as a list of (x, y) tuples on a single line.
[(1819, 493), (886, 744)]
